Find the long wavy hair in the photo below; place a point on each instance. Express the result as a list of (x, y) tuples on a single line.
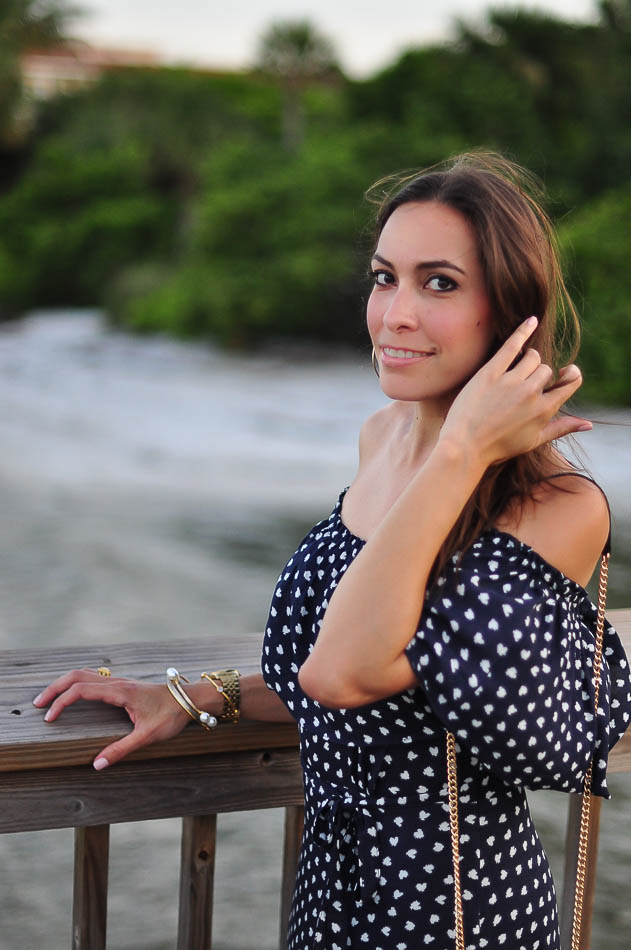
[(520, 262)]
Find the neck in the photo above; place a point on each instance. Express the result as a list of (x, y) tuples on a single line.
[(425, 422)]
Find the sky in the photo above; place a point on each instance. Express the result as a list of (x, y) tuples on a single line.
[(225, 34)]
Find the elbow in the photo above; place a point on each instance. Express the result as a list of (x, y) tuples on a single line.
[(329, 689)]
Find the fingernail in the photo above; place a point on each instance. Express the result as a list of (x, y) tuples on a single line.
[(100, 763), (531, 322), (38, 699), (585, 427), (47, 716)]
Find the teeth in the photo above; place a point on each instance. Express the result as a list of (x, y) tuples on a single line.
[(407, 354)]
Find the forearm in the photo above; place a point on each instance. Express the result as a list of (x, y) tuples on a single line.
[(374, 610), (257, 701)]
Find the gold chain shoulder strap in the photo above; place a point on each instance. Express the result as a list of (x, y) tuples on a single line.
[(581, 861), (452, 788)]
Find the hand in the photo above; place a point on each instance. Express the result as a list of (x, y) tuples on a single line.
[(502, 412), (155, 714)]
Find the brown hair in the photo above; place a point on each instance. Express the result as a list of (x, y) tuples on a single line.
[(520, 262)]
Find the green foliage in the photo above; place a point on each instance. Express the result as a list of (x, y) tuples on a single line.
[(294, 221), (597, 243), (232, 205), (72, 223), (174, 116)]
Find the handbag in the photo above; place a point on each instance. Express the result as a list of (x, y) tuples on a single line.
[(452, 788)]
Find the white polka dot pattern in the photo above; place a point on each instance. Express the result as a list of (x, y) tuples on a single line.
[(503, 655)]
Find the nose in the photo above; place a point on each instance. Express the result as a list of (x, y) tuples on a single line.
[(402, 312)]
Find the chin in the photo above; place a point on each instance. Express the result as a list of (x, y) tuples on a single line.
[(407, 391)]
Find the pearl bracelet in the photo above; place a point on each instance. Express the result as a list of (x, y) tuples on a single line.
[(174, 686)]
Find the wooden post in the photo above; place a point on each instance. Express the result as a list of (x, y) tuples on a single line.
[(89, 910), (569, 878), (294, 821), (196, 883)]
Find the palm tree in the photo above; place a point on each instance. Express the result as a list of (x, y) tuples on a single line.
[(295, 53)]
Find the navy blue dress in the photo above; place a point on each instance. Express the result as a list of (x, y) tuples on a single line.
[(503, 655)]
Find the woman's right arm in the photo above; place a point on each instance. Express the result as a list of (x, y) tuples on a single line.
[(156, 716)]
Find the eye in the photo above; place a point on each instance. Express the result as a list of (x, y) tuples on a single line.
[(382, 278), (441, 283)]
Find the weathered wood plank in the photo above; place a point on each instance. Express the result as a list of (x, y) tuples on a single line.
[(294, 823), (197, 870), (27, 742), (79, 749), (620, 758), (135, 791), (89, 908), (569, 876)]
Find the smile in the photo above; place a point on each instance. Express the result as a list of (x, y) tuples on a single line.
[(392, 356)]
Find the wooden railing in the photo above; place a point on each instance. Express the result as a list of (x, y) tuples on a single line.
[(48, 780)]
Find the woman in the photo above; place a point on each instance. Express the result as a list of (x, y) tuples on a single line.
[(462, 511)]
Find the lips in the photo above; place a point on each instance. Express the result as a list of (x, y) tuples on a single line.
[(403, 352)]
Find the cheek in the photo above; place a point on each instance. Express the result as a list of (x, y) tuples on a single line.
[(373, 314)]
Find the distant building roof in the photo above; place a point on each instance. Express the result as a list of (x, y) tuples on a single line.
[(47, 72)]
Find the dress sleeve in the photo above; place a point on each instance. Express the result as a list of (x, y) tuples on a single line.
[(504, 653)]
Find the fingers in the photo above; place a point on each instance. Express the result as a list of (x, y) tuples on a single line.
[(63, 683), (104, 692), (564, 425), (510, 350), (569, 380), (566, 375), (119, 749), (530, 367)]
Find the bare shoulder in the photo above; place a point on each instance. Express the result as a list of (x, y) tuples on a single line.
[(567, 522), (377, 427)]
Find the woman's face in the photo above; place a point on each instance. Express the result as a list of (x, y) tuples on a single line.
[(428, 314)]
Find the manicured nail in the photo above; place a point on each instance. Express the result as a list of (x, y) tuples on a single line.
[(585, 427), (47, 716), (100, 763), (532, 322), (38, 699)]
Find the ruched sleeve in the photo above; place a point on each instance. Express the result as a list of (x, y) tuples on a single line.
[(504, 653)]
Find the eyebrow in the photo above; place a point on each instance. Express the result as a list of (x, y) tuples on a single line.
[(422, 265)]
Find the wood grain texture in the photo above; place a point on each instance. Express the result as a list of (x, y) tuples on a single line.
[(197, 871), (136, 791), (294, 824), (27, 742), (89, 908), (620, 757)]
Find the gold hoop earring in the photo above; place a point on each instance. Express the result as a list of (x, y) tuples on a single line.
[(375, 362)]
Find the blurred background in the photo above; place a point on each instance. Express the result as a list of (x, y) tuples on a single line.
[(184, 365)]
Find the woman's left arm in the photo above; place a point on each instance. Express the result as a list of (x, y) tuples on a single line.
[(359, 654)]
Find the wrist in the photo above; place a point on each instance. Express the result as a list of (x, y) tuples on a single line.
[(458, 454), (205, 697)]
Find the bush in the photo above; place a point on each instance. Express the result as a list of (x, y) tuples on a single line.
[(72, 223), (597, 245), (273, 249)]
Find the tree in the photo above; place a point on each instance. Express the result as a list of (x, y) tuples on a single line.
[(616, 14), (24, 24), (297, 55)]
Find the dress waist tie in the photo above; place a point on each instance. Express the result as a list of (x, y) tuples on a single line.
[(347, 829)]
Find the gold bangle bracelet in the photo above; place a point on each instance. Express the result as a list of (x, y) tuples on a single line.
[(227, 683), (183, 699)]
